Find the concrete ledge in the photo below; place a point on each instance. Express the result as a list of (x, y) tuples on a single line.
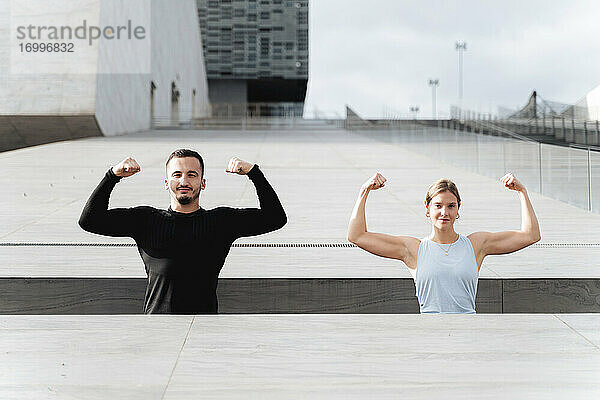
[(551, 295), (269, 295), (18, 131), (72, 295), (333, 357)]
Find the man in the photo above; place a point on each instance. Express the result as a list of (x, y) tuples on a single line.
[(184, 247)]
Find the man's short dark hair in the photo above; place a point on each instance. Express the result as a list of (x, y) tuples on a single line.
[(181, 153)]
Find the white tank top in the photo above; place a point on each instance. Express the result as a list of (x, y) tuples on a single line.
[(446, 283)]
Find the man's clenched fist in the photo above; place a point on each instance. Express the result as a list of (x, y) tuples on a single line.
[(237, 166), (126, 168)]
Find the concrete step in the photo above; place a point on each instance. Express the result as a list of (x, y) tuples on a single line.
[(257, 124), (331, 357)]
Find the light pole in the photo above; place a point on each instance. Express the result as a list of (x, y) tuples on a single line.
[(461, 46), (434, 83), (414, 109)]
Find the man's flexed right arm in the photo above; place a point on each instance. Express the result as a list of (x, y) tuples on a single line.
[(126, 168), (97, 218)]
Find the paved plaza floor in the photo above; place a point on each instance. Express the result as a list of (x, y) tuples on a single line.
[(301, 357), (317, 175)]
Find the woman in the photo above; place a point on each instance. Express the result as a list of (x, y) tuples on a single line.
[(445, 266)]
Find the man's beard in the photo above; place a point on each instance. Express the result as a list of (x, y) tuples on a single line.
[(187, 199)]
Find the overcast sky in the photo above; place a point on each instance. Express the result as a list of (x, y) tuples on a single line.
[(378, 55)]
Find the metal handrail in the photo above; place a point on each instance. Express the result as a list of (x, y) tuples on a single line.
[(507, 132), (584, 147)]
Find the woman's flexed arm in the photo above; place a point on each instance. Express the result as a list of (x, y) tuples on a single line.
[(509, 241), (389, 246)]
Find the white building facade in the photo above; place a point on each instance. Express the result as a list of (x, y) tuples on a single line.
[(111, 88)]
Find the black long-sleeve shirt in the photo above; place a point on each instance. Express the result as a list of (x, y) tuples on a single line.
[(183, 253)]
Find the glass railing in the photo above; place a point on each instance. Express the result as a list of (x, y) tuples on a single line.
[(570, 174), (595, 180), (250, 110), (178, 116)]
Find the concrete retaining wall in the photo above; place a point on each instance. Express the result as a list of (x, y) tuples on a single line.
[(269, 295)]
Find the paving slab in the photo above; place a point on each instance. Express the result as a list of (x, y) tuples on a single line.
[(300, 356), (88, 357), (345, 357)]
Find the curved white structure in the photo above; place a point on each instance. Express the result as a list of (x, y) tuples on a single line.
[(167, 80)]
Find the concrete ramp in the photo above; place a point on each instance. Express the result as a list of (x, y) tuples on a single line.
[(17, 131)]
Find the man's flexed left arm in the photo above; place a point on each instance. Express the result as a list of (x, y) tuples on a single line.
[(255, 221)]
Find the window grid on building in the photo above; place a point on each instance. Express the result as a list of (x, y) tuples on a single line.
[(254, 39)]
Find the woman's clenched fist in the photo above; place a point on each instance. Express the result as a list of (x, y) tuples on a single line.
[(375, 182)]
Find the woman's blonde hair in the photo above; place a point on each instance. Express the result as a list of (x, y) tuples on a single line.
[(443, 185)]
